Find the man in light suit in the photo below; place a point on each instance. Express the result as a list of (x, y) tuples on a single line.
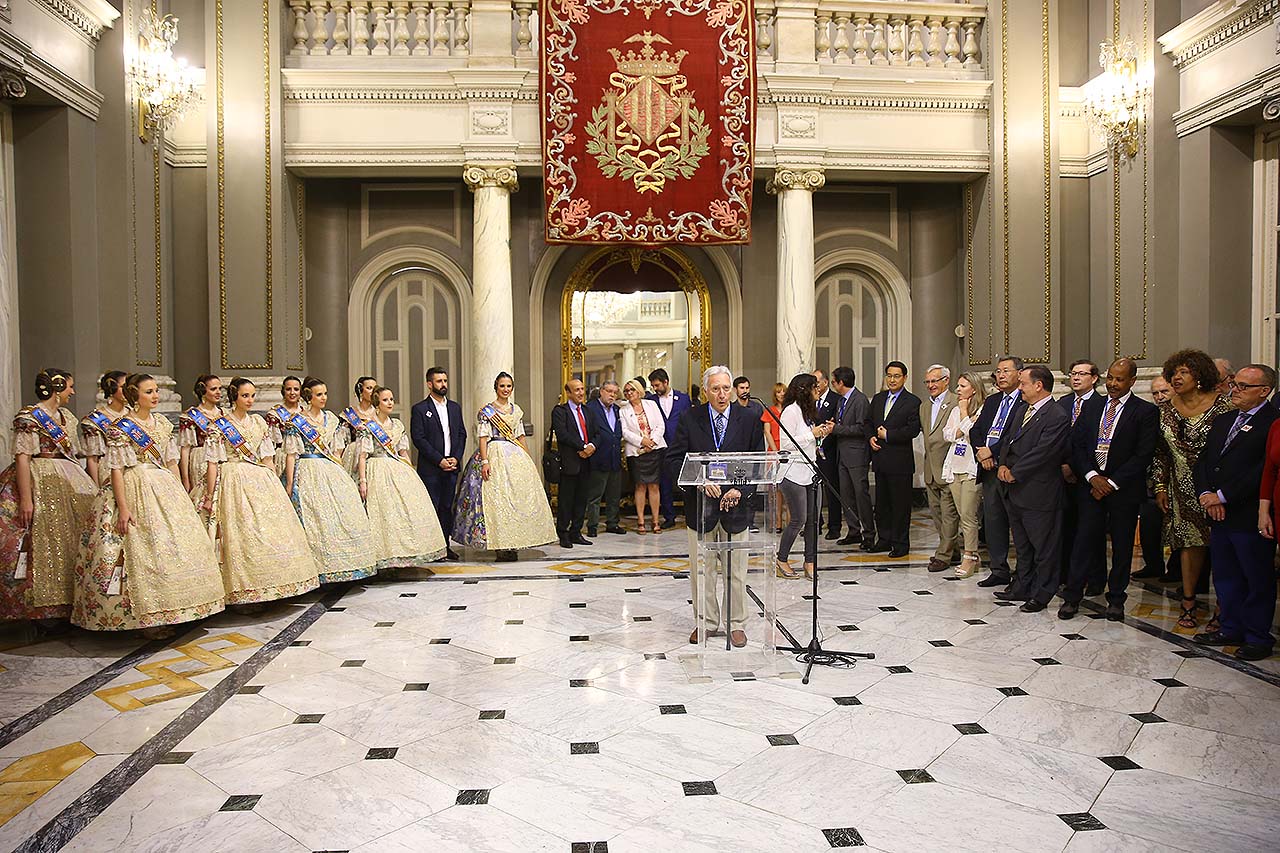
[(439, 433), (853, 456), (895, 422), (990, 431), (673, 404), (933, 416), (1030, 474), (827, 405)]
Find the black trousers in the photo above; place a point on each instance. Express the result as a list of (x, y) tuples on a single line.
[(1037, 534), (442, 486), (571, 504), (893, 509), (1151, 531), (1076, 492), (995, 520), (830, 468), (1111, 519)]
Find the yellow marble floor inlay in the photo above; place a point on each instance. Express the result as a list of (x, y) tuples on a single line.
[(30, 778), (196, 659), (625, 566)]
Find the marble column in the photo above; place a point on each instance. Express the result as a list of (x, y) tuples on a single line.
[(796, 294), (492, 320), (628, 363), (10, 378)]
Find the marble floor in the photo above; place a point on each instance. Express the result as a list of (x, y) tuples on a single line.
[(541, 706)]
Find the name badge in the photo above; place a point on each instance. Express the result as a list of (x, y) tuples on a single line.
[(1104, 445), (961, 449), (717, 470)]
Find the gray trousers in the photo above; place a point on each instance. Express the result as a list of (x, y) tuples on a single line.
[(607, 485), (732, 564), (797, 498), (855, 497)]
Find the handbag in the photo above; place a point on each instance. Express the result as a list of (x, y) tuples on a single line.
[(551, 465)]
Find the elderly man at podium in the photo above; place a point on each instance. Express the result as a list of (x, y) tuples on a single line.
[(717, 427)]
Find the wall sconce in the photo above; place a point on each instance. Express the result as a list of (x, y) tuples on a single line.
[(1116, 100), (165, 87)]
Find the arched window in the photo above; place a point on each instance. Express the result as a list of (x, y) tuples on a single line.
[(413, 325), (853, 324)]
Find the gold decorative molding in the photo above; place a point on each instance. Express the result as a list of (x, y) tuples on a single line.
[(1116, 222), (300, 193), (1046, 120), (788, 178), (477, 176), (1004, 155)]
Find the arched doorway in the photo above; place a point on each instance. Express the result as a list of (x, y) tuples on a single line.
[(863, 314), (627, 311)]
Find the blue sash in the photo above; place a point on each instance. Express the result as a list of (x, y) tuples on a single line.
[(200, 419), (312, 435), (141, 438), (100, 421), (282, 415), (349, 415), (54, 431), (380, 435), (235, 439)]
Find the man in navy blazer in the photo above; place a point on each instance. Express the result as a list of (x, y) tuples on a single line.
[(1111, 449), (605, 465), (1002, 408), (1228, 479), (717, 427), (673, 404), (439, 433)]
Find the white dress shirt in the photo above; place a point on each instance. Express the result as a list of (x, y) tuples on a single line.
[(798, 471), (442, 412), (1114, 424)]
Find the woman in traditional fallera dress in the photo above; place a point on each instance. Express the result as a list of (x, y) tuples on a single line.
[(325, 497), (193, 428), (501, 505), (148, 562), (354, 417), (400, 510), (94, 427), (46, 499), (260, 542), (277, 417)]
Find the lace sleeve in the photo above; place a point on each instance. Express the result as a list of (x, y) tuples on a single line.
[(120, 452), (215, 447), (367, 444), (170, 451), (484, 429), (26, 441), (187, 434), (293, 444), (92, 443), (402, 446)]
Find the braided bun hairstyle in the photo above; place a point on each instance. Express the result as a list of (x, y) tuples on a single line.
[(110, 383), (50, 381), (307, 384), (202, 386), (131, 386), (236, 384)]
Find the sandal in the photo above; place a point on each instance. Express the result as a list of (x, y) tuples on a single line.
[(1213, 625), (1188, 617), (783, 569), (808, 571), (657, 528), (642, 529), (968, 565)]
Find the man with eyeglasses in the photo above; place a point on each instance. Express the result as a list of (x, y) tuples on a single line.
[(933, 414), (1080, 405), (1228, 479), (1002, 408), (1151, 519)]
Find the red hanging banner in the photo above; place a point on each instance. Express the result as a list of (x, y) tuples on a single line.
[(648, 118)]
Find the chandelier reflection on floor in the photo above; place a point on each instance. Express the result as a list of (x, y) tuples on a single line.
[(165, 87)]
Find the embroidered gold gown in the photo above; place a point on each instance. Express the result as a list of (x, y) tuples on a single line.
[(510, 511), (193, 438), (93, 441), (63, 496), (350, 434), (260, 542), (401, 514), (328, 503), (278, 429), (163, 571)]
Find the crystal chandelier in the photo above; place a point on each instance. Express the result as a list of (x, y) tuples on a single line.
[(165, 87), (1116, 100)]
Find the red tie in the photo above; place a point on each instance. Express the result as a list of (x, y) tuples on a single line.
[(582, 423)]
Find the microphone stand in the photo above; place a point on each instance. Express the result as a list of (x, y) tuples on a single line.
[(813, 654)]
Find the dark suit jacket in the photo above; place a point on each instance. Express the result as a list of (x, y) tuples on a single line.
[(982, 426), (1236, 470), (428, 435), (1034, 454), (679, 405), (827, 406), (1067, 402), (852, 431), (569, 439), (1133, 443), (896, 455), (608, 455), (743, 434)]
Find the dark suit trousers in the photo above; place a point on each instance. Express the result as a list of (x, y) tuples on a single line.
[(1037, 534), (1151, 531), (442, 486), (830, 468), (571, 503), (855, 498), (1244, 577), (666, 495), (1076, 493), (1098, 521), (893, 509), (995, 519)]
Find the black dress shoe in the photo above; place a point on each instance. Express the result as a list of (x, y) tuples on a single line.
[(994, 579), (1115, 612), (1093, 591), (566, 542), (849, 540), (668, 523), (507, 556), (592, 532), (581, 540), (450, 554), (1251, 651), (1216, 638), (615, 529), (1068, 610), (880, 547), (1148, 574), (1033, 606), (1006, 595), (834, 535), (898, 553)]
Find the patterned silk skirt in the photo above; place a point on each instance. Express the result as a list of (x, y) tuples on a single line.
[(162, 572), (337, 527), (401, 514), (508, 512), (63, 496)]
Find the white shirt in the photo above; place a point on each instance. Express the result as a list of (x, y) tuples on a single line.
[(442, 412), (665, 402), (798, 471)]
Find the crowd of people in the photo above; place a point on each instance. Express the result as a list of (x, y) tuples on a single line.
[(121, 521)]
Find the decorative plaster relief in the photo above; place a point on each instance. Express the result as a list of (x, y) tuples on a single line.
[(798, 125), (491, 121)]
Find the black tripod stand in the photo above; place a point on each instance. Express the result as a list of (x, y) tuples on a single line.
[(813, 654)]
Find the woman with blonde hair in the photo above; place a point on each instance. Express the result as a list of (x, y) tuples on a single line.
[(960, 468), (644, 445)]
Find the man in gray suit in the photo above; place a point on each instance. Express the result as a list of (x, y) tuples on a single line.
[(1031, 476), (852, 433), (934, 411)]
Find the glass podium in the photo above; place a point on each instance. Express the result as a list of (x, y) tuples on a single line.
[(732, 548)]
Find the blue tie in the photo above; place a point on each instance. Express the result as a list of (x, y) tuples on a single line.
[(1241, 420), (843, 402), (1001, 416), (720, 424)]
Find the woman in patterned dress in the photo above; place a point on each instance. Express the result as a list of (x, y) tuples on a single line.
[(400, 510), (1184, 427), (192, 431), (326, 499), (277, 417), (501, 505), (260, 542), (354, 417), (93, 429), (148, 562), (46, 501)]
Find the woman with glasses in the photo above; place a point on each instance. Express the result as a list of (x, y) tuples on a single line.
[(1184, 427)]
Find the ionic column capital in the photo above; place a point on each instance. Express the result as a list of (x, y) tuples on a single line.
[(12, 84), (787, 178), (477, 176)]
